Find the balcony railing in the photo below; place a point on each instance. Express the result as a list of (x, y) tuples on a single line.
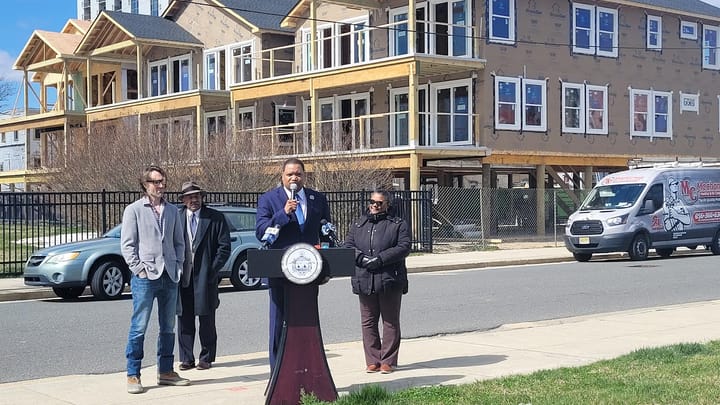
[(354, 48)]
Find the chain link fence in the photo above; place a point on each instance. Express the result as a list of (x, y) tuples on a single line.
[(478, 216)]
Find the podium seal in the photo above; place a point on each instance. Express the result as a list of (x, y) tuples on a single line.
[(301, 263)]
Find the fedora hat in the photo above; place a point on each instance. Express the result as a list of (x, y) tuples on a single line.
[(190, 187)]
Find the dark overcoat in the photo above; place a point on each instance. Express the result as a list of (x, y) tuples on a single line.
[(209, 252), (388, 238)]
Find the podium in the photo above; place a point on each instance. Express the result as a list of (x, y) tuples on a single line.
[(301, 364)]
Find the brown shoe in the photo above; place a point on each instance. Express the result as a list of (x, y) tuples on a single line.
[(133, 385), (204, 365), (187, 366), (172, 378), (386, 369), (372, 368)]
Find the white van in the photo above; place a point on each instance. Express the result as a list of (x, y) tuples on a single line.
[(655, 208)]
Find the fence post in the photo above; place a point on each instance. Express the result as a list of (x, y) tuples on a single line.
[(482, 220), (103, 212), (555, 223)]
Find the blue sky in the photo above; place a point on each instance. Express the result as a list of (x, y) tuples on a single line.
[(19, 18)]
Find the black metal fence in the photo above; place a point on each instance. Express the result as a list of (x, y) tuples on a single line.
[(32, 221)]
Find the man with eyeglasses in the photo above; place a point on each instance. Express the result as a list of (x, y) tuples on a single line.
[(381, 242), (153, 246)]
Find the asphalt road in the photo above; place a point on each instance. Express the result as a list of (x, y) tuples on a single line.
[(54, 337)]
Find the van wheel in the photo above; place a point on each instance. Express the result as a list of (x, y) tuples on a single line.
[(108, 281), (239, 276), (639, 247), (665, 252), (715, 247), (582, 257)]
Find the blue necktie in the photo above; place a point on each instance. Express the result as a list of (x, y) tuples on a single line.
[(299, 213), (193, 224)]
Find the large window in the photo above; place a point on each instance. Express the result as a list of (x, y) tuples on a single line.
[(595, 30), (134, 7), (344, 43), (520, 104), (170, 75), (585, 108), (399, 30), (242, 62), (399, 118), (451, 104), (444, 26), (710, 47), (215, 69), (501, 21), (650, 113), (654, 33), (154, 8)]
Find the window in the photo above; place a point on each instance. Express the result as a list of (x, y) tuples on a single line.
[(450, 102), (689, 102), (86, 10), (158, 78), (650, 113), (284, 118), (443, 28), (399, 126), (354, 130), (215, 69), (654, 32), (154, 8), (534, 116), (595, 30), (710, 47), (16, 137), (354, 42), (134, 7), (181, 73), (169, 75), (501, 24), (242, 62), (101, 5), (688, 30), (246, 118), (584, 109), (215, 127), (2, 137), (512, 112), (118, 5), (399, 31)]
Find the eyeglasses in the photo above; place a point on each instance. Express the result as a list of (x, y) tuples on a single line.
[(374, 202), (156, 182)]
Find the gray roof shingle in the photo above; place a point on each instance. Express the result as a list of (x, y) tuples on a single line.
[(688, 6), (264, 14), (152, 27)]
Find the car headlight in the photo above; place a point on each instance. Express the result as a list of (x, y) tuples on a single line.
[(65, 257), (617, 220)]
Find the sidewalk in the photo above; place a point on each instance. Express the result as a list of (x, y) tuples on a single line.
[(446, 359)]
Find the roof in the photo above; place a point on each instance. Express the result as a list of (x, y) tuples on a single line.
[(46, 45), (148, 27), (114, 27), (74, 26), (259, 15), (684, 6)]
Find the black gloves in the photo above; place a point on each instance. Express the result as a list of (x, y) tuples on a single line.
[(370, 263)]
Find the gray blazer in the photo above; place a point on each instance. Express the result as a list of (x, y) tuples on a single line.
[(144, 247)]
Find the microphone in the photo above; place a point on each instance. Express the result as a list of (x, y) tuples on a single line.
[(271, 234), (293, 189), (328, 229)]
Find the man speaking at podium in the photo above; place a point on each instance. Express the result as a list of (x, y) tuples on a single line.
[(297, 214)]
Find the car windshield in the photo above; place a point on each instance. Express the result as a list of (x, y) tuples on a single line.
[(613, 196), (240, 221), (113, 233)]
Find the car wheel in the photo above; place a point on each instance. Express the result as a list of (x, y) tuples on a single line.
[(715, 247), (108, 281), (582, 257), (239, 276), (665, 252), (639, 247), (68, 293)]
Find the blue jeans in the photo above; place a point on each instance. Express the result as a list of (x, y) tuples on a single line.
[(144, 292)]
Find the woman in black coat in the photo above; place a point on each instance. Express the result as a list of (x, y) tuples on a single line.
[(381, 242)]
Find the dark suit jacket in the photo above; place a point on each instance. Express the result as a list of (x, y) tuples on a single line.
[(271, 212), (205, 257)]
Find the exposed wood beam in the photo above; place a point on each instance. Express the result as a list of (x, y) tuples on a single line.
[(111, 48)]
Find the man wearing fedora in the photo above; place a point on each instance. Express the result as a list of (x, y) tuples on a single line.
[(207, 248)]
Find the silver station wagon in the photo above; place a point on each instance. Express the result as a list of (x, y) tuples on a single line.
[(98, 263)]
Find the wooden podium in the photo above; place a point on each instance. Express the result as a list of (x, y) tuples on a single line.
[(301, 364)]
